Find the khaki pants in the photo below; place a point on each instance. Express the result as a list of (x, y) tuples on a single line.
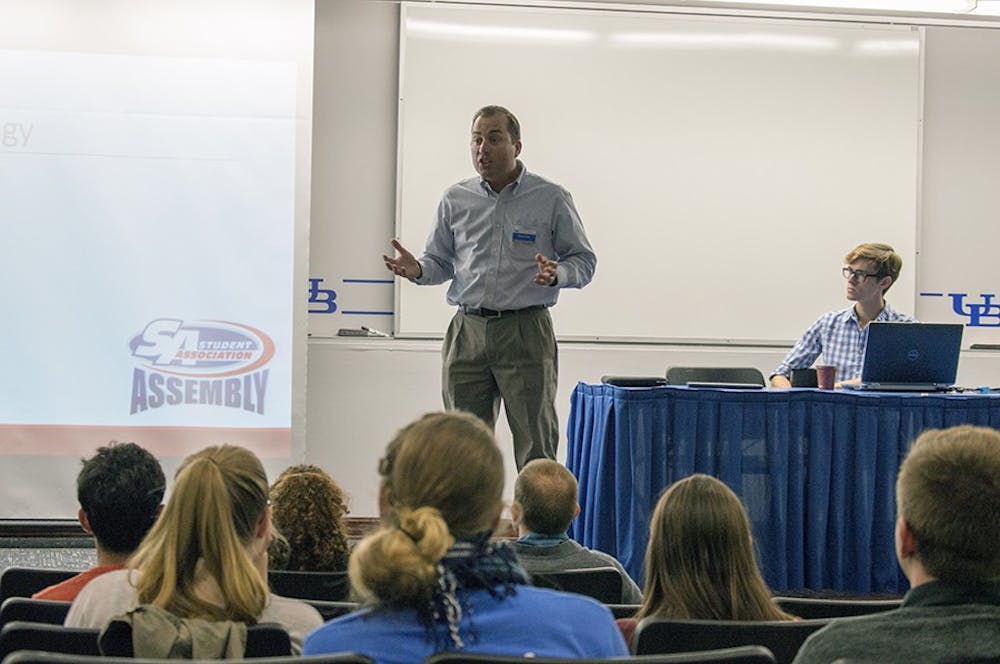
[(513, 358)]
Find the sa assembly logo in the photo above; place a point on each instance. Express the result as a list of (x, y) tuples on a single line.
[(213, 363)]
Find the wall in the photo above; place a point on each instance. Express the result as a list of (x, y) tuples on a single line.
[(361, 392)]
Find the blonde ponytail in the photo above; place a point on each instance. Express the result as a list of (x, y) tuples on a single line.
[(218, 498)]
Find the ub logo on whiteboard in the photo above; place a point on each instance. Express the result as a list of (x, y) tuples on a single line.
[(209, 363)]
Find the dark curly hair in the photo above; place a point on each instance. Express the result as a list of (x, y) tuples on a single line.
[(120, 489), (309, 510)]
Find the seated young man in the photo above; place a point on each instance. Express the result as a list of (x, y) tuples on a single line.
[(840, 336), (544, 506), (120, 490), (948, 546)]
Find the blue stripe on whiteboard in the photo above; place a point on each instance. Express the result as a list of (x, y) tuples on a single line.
[(932, 295), (365, 313), (368, 281)]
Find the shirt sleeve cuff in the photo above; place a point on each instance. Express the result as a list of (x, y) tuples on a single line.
[(562, 274)]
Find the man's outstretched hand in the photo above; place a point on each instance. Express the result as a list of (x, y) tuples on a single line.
[(404, 264)]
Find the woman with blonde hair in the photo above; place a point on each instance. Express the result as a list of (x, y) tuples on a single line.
[(433, 577), (206, 555), (700, 561), (309, 510)]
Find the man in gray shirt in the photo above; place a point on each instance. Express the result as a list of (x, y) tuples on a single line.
[(544, 506), (508, 240), (948, 546)]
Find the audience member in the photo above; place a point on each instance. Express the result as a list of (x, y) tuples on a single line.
[(120, 490), (948, 546), (544, 506), (700, 561), (206, 556), (434, 577), (309, 510), (840, 336)]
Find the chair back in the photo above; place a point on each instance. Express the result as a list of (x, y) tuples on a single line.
[(733, 375), (623, 610), (331, 610), (744, 655), (812, 607), (782, 637), (327, 586), (602, 583), (26, 581), (22, 635), (803, 378), (38, 657), (263, 640), (33, 610)]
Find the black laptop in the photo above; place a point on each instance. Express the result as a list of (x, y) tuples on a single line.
[(911, 357)]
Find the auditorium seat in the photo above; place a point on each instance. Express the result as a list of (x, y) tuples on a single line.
[(263, 640), (331, 610), (22, 635), (623, 610), (812, 607), (26, 581), (327, 586), (742, 655), (782, 638), (602, 583), (33, 610)]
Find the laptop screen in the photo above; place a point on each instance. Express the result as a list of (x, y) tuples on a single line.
[(921, 353)]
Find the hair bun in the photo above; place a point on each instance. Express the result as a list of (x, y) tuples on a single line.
[(426, 528)]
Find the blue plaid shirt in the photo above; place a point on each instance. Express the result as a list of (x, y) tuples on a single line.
[(838, 337)]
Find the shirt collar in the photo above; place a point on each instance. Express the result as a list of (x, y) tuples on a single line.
[(537, 539), (485, 186), (886, 313), (849, 314), (944, 593)]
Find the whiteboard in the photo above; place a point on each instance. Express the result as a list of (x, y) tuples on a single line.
[(722, 166), (960, 233)]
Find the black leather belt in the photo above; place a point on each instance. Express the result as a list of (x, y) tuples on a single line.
[(483, 312)]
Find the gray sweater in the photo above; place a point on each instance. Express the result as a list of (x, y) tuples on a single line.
[(938, 622)]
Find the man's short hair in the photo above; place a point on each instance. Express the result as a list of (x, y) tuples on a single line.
[(547, 493), (513, 126), (120, 490), (887, 262), (948, 493)]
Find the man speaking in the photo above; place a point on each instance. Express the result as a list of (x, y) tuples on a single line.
[(507, 240)]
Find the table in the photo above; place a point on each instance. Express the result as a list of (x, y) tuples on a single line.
[(816, 470)]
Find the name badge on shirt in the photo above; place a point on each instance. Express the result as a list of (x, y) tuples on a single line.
[(524, 237)]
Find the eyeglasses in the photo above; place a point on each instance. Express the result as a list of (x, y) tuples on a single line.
[(861, 275)]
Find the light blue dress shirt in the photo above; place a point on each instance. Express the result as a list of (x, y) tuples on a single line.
[(836, 336), (486, 243)]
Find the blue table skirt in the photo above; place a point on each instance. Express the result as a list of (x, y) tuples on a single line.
[(816, 470)]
